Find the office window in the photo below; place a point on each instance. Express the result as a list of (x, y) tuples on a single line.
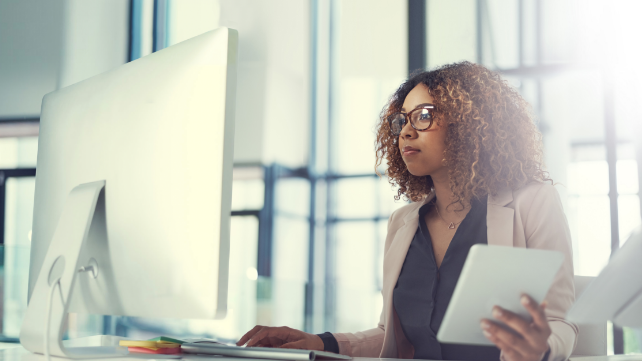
[(248, 193), (18, 152), (17, 237), (628, 194), (356, 197), (290, 252), (501, 30), (588, 210), (356, 277), (459, 42), (242, 286), (369, 63), (15, 153)]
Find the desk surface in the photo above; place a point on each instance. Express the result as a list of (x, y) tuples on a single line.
[(15, 352)]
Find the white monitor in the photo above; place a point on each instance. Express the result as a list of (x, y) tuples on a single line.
[(616, 294), (134, 178)]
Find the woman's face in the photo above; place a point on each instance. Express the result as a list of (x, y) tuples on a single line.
[(422, 151)]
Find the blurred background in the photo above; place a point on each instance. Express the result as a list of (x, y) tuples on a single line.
[(309, 213)]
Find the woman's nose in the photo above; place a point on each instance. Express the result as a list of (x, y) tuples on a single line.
[(407, 131)]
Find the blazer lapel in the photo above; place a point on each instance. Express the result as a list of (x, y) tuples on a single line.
[(499, 219), (393, 260)]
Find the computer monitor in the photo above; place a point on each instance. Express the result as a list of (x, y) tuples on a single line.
[(616, 294), (133, 185)]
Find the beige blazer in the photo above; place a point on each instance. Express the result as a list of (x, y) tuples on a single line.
[(530, 217)]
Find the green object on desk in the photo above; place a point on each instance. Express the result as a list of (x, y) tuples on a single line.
[(167, 339)]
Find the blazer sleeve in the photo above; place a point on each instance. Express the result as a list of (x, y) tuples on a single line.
[(546, 227), (367, 343)]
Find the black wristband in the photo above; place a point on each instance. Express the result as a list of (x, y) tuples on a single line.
[(546, 355), (330, 343)]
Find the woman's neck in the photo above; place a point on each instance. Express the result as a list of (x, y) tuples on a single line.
[(445, 197)]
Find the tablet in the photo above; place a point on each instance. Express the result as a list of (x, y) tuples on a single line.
[(496, 275)]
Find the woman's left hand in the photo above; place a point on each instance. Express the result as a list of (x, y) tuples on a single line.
[(526, 341)]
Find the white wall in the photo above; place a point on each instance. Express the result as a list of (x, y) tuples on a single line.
[(95, 38), (30, 53), (49, 44)]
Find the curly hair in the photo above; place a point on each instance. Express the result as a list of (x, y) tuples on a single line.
[(492, 141)]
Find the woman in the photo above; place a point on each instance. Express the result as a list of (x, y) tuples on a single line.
[(462, 145)]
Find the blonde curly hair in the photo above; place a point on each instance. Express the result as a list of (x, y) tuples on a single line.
[(492, 142)]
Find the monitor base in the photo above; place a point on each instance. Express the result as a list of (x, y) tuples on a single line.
[(52, 292)]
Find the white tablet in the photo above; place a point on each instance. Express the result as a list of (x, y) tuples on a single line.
[(496, 275)]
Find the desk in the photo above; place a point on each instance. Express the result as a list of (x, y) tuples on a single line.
[(15, 352)]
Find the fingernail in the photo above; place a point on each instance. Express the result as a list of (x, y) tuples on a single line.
[(497, 313), (525, 301), (486, 333), (485, 325)]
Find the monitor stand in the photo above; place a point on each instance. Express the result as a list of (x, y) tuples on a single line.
[(52, 292)]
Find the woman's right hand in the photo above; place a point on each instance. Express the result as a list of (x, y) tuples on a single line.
[(283, 337)]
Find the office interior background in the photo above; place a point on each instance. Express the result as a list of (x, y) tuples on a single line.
[(309, 213)]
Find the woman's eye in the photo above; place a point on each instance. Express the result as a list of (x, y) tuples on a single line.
[(425, 115)]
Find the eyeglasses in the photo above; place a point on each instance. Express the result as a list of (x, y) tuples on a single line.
[(421, 118)]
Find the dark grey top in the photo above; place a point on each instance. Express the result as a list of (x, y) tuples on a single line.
[(423, 290)]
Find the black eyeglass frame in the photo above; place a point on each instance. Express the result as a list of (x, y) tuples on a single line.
[(408, 118)]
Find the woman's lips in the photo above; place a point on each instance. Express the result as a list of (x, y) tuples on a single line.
[(408, 150)]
